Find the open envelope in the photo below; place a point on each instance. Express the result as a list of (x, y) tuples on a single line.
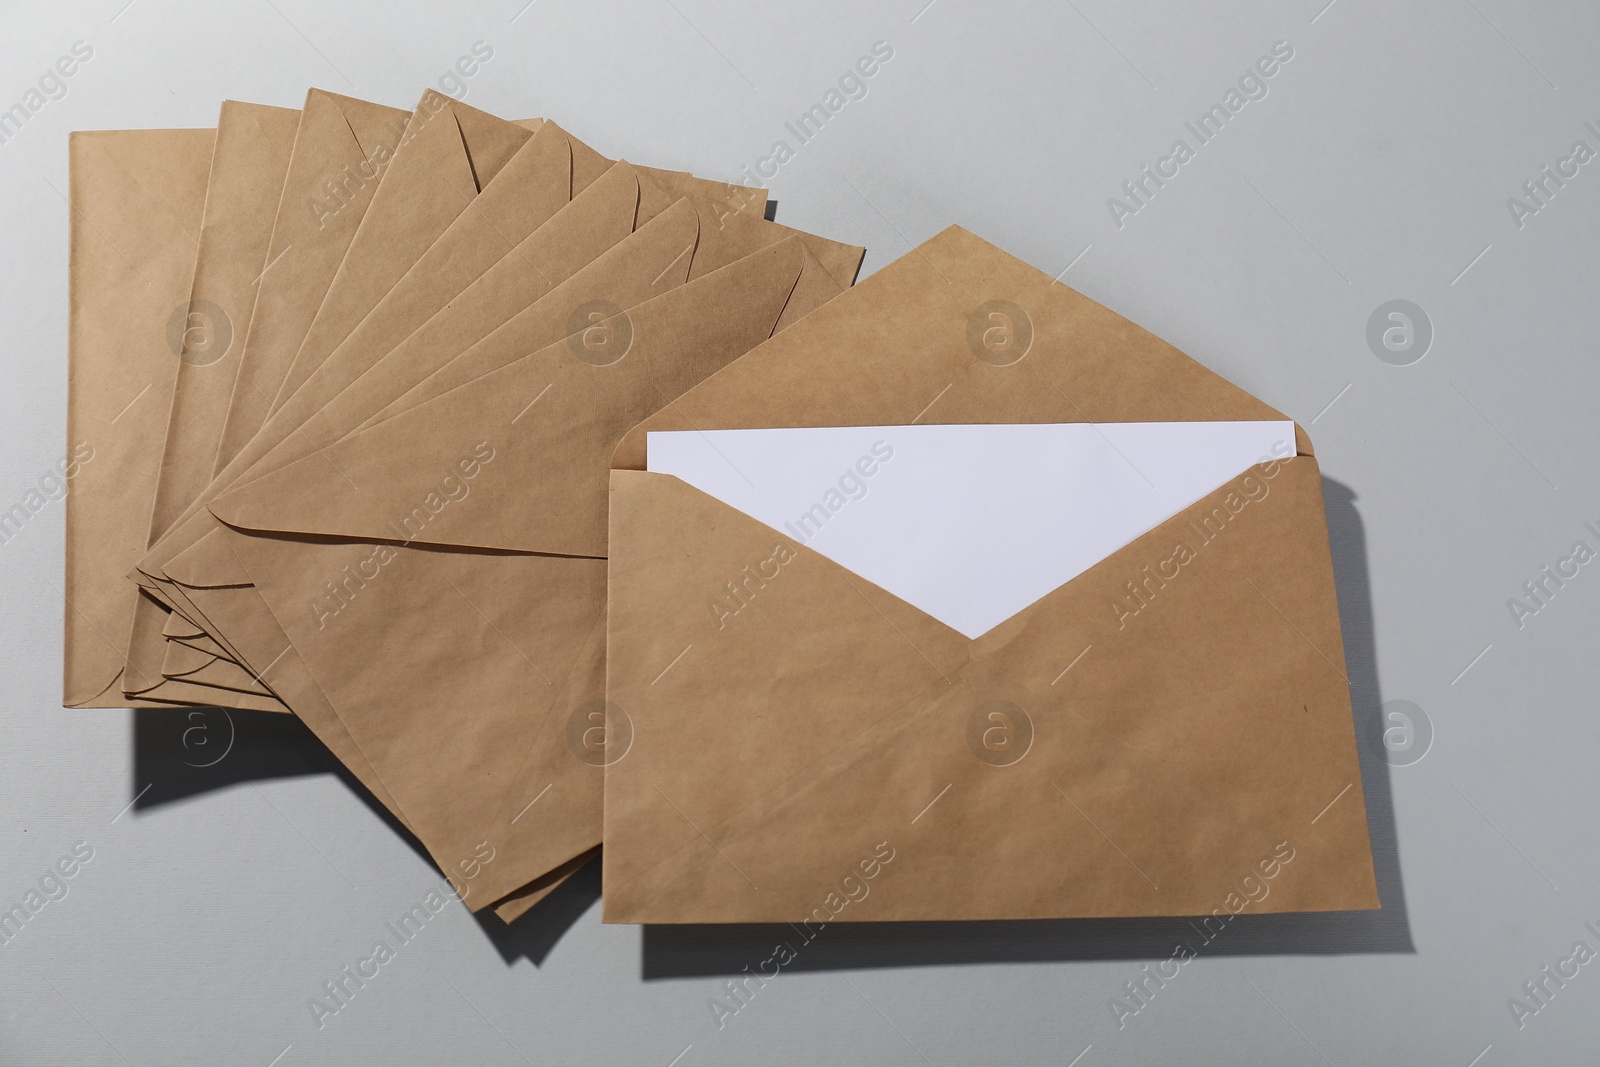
[(448, 598), (1084, 659)]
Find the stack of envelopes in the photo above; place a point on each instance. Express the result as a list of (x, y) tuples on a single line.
[(567, 499), (498, 297)]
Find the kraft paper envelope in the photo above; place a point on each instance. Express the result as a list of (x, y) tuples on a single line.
[(456, 644), (248, 166), (136, 200), (1167, 733)]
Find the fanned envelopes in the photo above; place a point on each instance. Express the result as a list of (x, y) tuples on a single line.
[(390, 354)]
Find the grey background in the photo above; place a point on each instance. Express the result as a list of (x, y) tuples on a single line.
[(1377, 168)]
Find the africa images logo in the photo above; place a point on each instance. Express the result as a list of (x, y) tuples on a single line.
[(199, 333), (599, 332), (1000, 333)]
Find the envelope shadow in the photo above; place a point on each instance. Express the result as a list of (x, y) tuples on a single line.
[(184, 752), (713, 950), (533, 935)]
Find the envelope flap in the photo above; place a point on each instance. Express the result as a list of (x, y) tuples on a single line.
[(537, 183), (654, 196), (376, 128), (730, 199), (490, 142), (996, 341), (489, 480), (815, 288), (207, 564), (587, 164)]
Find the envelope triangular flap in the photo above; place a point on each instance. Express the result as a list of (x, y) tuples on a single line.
[(846, 364), (970, 523), (490, 142)]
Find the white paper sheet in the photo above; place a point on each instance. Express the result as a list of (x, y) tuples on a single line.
[(968, 523)]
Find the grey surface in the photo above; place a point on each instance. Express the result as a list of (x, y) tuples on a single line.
[(1377, 168)]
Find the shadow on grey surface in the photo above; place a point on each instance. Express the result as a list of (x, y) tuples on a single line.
[(532, 936), (716, 950), (183, 752)]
